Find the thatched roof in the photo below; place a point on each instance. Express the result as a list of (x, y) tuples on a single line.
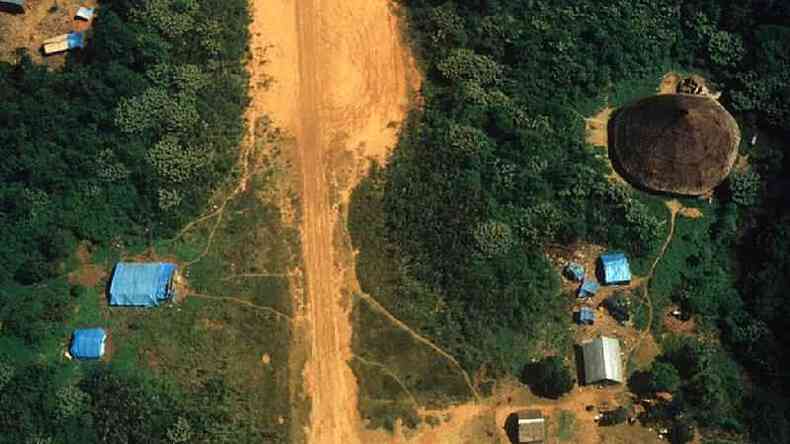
[(676, 143)]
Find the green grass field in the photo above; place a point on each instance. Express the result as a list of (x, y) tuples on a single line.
[(233, 322)]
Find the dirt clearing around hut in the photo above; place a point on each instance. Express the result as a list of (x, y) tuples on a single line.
[(339, 79), (41, 20)]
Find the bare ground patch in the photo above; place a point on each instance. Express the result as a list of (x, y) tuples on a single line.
[(41, 20)]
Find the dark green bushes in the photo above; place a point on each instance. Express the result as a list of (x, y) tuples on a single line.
[(122, 146), (549, 377), (129, 138), (493, 168)]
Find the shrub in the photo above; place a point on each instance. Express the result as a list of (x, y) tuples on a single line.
[(549, 378), (664, 377)]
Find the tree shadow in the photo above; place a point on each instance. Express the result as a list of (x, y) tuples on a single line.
[(9, 8), (578, 358), (108, 284), (639, 383)]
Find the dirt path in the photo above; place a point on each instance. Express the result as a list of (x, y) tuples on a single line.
[(378, 307), (674, 207), (339, 79)]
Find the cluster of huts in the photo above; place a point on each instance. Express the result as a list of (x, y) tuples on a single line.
[(602, 364), (602, 361), (71, 40), (601, 356), (613, 269), (131, 285), (684, 143), (64, 42)]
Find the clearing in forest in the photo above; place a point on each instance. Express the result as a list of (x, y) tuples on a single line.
[(41, 20), (340, 77)]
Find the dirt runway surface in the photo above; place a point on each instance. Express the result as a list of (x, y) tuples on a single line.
[(339, 74)]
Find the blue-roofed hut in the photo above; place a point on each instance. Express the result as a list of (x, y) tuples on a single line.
[(88, 343), (615, 269), (142, 285), (574, 271), (588, 289), (585, 315)]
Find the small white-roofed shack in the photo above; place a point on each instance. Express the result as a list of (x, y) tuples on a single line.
[(531, 427)]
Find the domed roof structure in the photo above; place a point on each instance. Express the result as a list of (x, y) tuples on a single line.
[(675, 143)]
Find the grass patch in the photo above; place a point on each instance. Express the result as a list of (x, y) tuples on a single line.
[(198, 340), (656, 206), (565, 425), (690, 235), (397, 374), (640, 312)]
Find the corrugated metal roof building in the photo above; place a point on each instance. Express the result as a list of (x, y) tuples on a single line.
[(616, 269), (602, 361), (531, 427), (88, 343), (141, 285)]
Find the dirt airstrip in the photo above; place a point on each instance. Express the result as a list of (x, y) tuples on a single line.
[(340, 77)]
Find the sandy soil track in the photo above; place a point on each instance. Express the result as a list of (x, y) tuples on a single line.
[(340, 78)]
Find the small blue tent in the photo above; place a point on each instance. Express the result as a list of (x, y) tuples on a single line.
[(588, 289), (141, 285), (586, 315), (88, 343), (574, 271), (615, 269)]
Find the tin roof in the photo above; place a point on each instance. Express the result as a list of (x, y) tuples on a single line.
[(531, 427), (602, 360)]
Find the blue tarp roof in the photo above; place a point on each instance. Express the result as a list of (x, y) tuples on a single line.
[(588, 288), (20, 3), (574, 271), (76, 40), (615, 268), (586, 314), (138, 284), (88, 343)]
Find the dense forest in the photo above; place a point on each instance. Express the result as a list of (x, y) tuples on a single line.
[(492, 168), (122, 146), (125, 143)]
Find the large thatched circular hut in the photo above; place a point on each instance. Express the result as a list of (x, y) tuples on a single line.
[(675, 143)]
